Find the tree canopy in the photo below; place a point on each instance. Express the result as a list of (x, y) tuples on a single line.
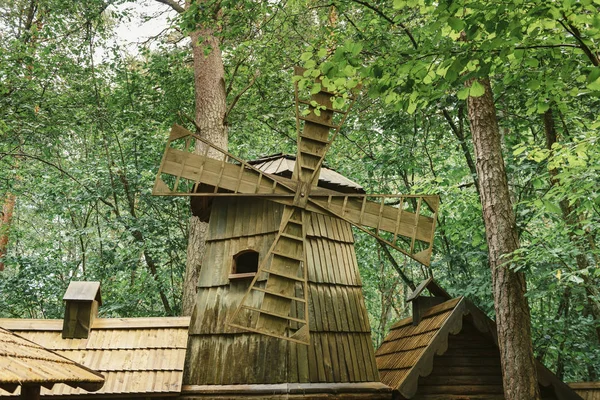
[(83, 122)]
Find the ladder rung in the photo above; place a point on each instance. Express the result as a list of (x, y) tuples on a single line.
[(293, 237), (295, 221), (306, 166), (294, 278), (287, 256), (314, 139), (351, 97), (279, 294), (337, 110), (260, 310), (319, 122), (311, 153)]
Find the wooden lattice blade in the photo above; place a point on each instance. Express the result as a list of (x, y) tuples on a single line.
[(321, 126), (376, 217), (282, 313), (197, 174)]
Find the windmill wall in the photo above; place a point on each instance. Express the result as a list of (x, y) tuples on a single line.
[(341, 349)]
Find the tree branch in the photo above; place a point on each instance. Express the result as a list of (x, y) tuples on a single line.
[(572, 29), (396, 266), (237, 96), (390, 20), (173, 4)]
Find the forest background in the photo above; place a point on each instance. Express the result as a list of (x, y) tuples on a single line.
[(84, 119)]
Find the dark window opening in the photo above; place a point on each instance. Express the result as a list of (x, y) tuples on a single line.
[(245, 264)]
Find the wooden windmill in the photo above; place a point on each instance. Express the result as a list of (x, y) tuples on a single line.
[(305, 288)]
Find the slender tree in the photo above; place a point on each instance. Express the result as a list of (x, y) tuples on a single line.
[(210, 113), (512, 310)]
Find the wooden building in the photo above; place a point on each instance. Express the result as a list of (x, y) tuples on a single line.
[(26, 366), (138, 357), (448, 350), (587, 390), (340, 359)]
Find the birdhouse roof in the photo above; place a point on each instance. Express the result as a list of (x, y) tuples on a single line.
[(410, 352), (283, 164), (137, 356), (83, 291), (25, 362)]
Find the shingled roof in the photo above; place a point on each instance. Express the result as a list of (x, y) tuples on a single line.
[(23, 362), (410, 352), (283, 165), (137, 356), (587, 390)]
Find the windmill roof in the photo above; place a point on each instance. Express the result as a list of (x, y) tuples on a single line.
[(25, 362), (409, 351), (283, 164), (137, 356)]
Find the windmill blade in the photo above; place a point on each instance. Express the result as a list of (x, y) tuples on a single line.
[(182, 172), (282, 313), (315, 139), (408, 225)]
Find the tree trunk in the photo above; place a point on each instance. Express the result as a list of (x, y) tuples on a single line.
[(209, 82), (5, 222), (512, 311)]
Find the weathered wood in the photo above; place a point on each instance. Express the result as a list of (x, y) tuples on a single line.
[(365, 214)]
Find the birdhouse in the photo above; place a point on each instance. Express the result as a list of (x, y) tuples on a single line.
[(82, 300), (279, 293), (421, 303)]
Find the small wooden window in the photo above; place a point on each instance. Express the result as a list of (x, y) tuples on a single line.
[(245, 264)]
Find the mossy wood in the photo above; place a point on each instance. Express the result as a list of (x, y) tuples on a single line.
[(277, 302)]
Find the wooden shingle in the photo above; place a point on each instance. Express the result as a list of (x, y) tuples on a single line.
[(137, 356), (451, 352), (23, 362)]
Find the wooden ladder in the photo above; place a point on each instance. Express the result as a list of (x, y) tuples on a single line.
[(286, 276)]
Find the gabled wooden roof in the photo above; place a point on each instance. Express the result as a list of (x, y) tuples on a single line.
[(137, 356), (408, 352), (587, 390), (25, 362), (283, 165), (83, 291)]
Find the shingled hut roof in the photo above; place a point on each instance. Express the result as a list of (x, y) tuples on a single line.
[(23, 362), (410, 352), (283, 165), (137, 356)]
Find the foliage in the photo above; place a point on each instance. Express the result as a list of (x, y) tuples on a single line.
[(83, 124)]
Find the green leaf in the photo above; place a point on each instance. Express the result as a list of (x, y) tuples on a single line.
[(542, 107), (532, 62), (477, 89), (519, 150), (593, 75), (306, 56), (456, 23), (463, 93), (594, 85), (310, 64), (533, 84)]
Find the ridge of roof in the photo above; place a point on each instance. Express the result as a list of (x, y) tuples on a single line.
[(17, 324), (423, 365)]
